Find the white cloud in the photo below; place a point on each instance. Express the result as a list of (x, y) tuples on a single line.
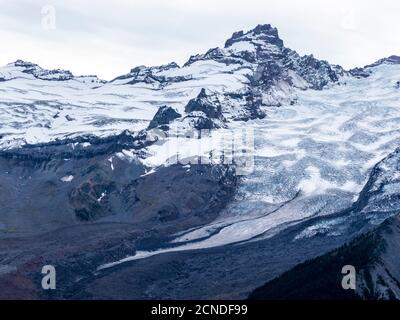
[(110, 37)]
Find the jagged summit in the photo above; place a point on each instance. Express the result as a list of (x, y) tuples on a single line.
[(22, 63), (40, 73), (26, 69), (262, 50), (389, 60), (253, 46), (366, 71), (148, 75), (163, 117), (143, 68), (204, 111), (263, 32)]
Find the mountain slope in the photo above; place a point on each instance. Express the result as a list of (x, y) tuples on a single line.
[(115, 180), (375, 255)]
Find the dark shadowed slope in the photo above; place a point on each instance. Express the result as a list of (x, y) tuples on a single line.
[(375, 255)]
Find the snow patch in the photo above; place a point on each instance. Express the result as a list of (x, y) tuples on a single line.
[(67, 178)]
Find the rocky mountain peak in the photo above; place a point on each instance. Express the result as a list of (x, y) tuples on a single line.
[(148, 75), (207, 104), (204, 111), (263, 33), (163, 117), (147, 70), (40, 73), (389, 60), (22, 63), (366, 71), (393, 59)]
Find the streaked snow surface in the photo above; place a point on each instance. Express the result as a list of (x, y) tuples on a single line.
[(34, 110), (312, 158)]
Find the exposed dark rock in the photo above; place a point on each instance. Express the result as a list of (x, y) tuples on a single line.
[(43, 74), (267, 74), (274, 60), (389, 60), (366, 71), (316, 72), (252, 109), (163, 117), (263, 32), (374, 256), (73, 148), (380, 197), (203, 103), (359, 73), (98, 181), (201, 122), (150, 75), (204, 112)]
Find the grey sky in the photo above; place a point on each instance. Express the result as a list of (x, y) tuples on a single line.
[(108, 38)]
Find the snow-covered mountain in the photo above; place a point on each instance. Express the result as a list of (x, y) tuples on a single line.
[(77, 152), (252, 71)]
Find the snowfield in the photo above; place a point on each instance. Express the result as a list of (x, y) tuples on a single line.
[(36, 111)]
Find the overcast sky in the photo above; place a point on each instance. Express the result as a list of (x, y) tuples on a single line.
[(108, 38)]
